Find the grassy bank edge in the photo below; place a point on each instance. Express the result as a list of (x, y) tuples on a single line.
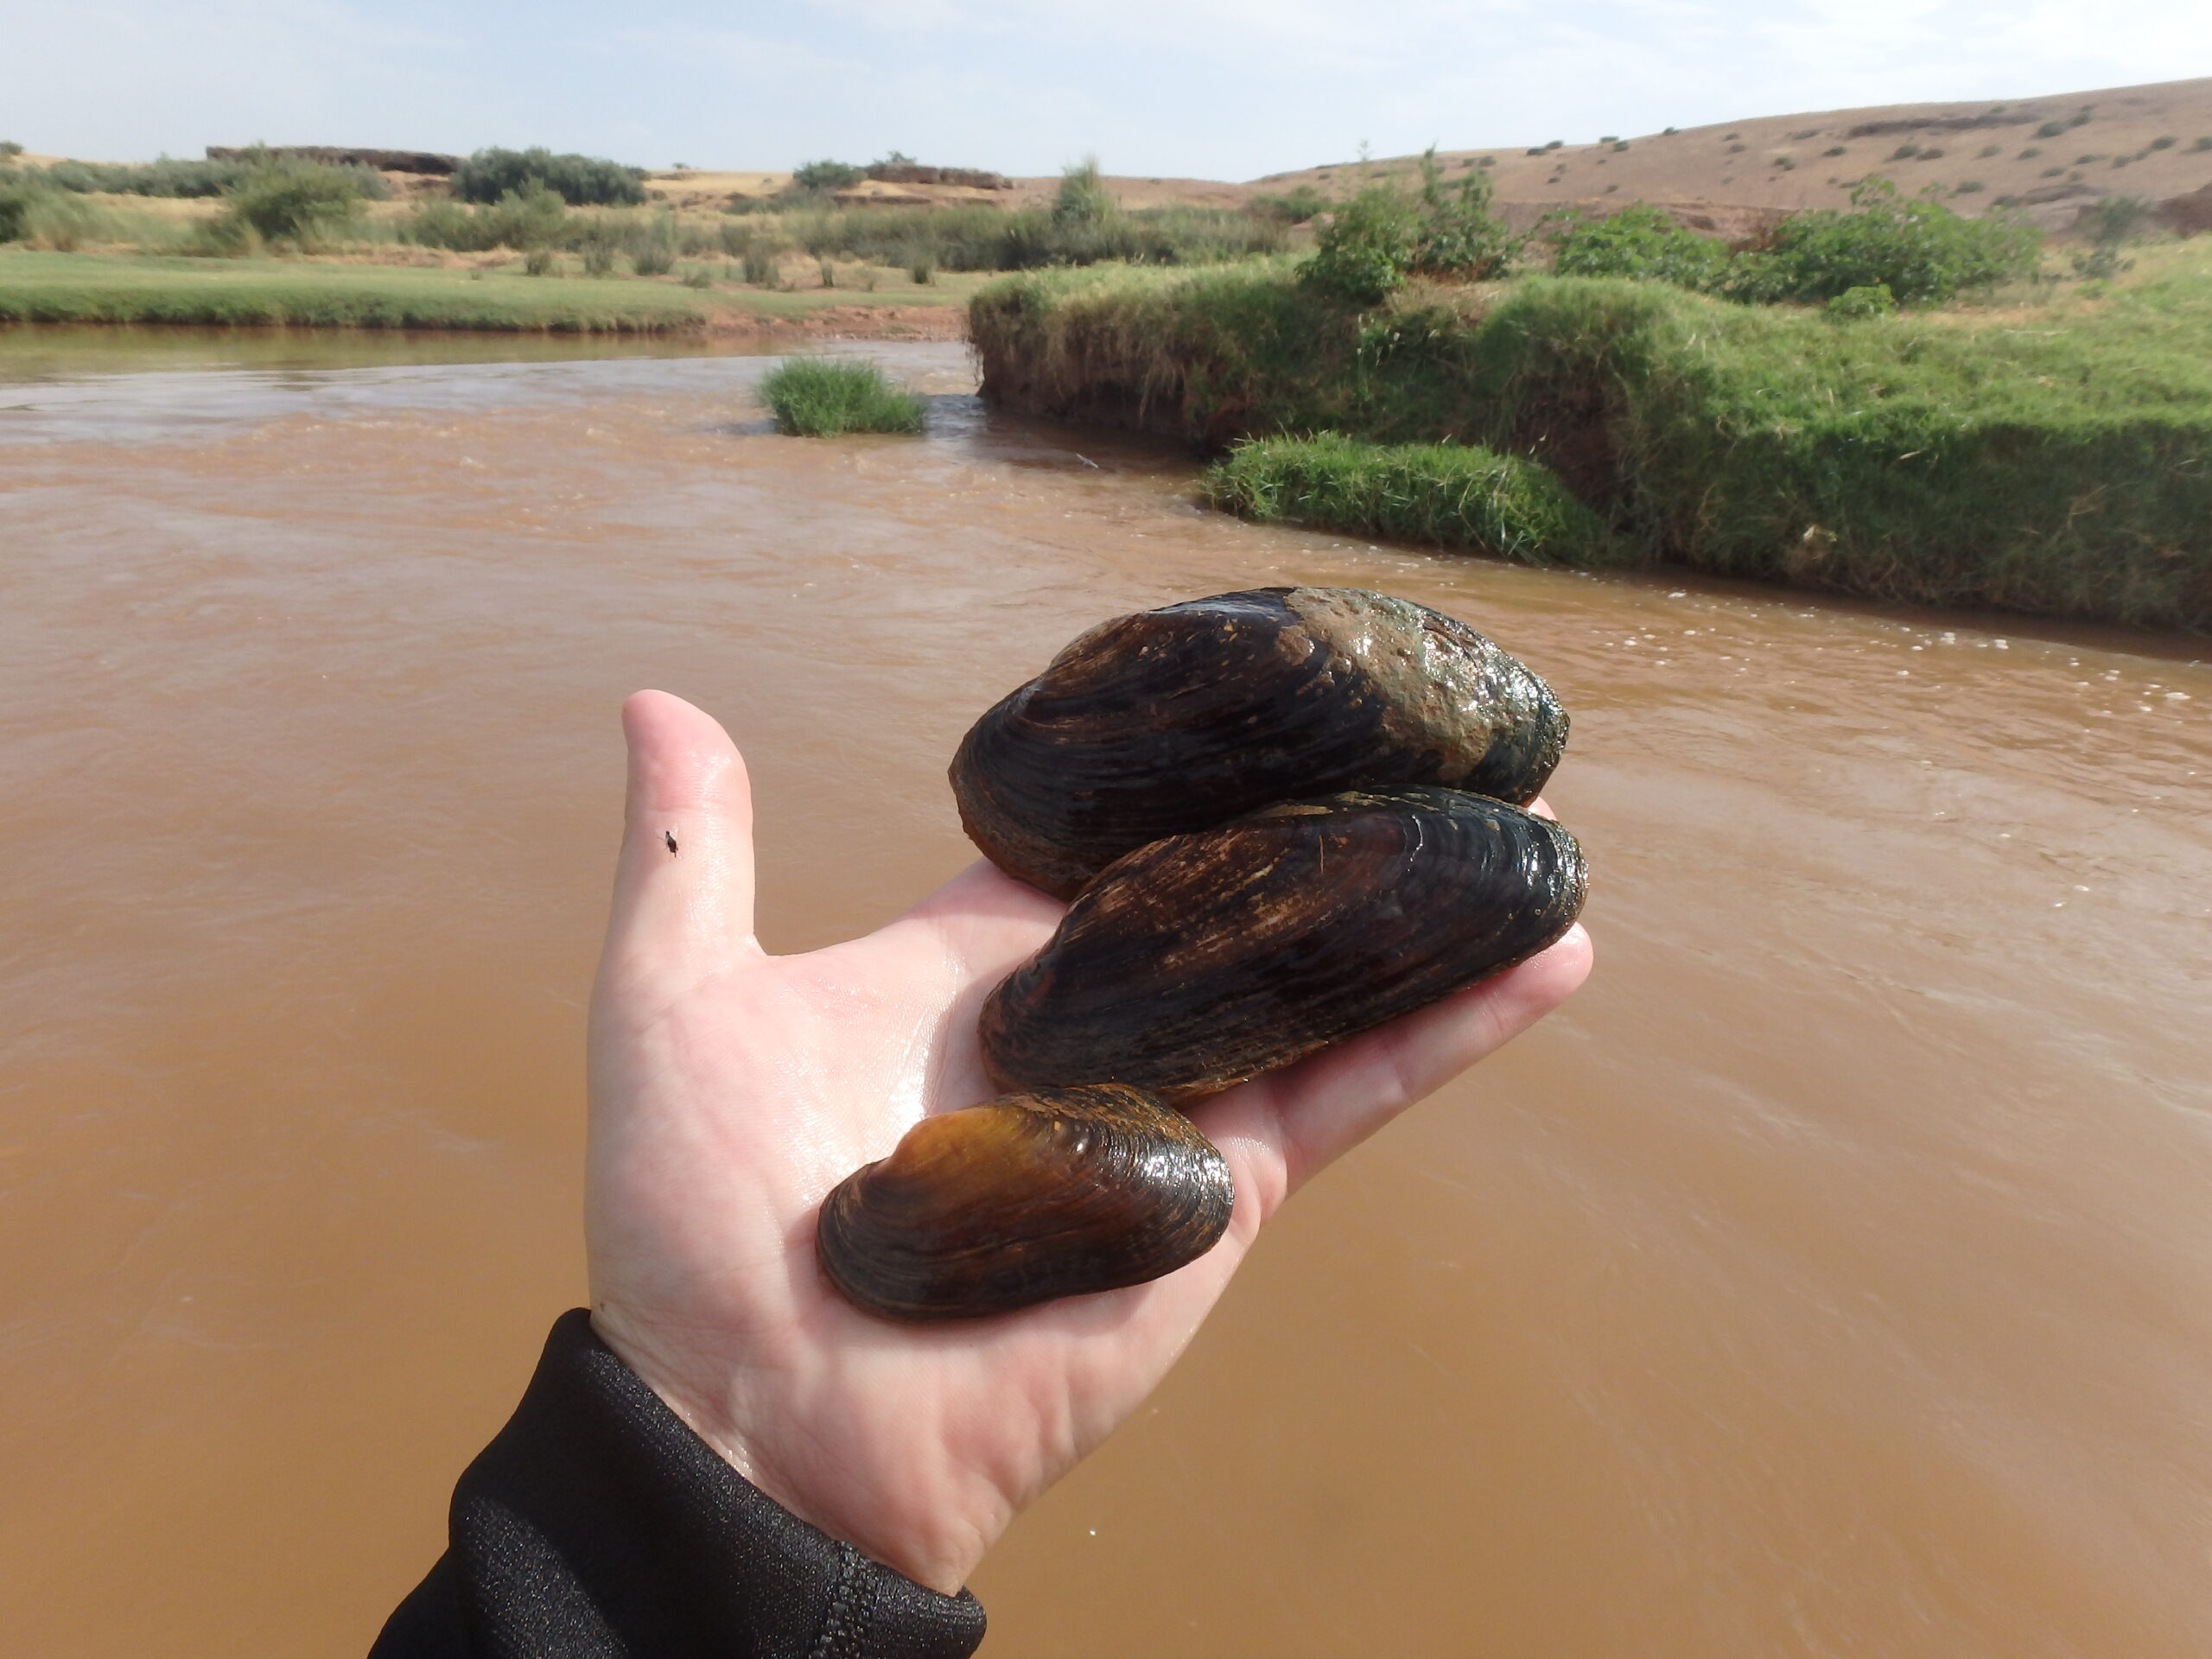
[(2063, 469), (38, 287)]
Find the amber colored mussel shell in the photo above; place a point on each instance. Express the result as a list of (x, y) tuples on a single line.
[(1183, 718), (1052, 1193), (1200, 960)]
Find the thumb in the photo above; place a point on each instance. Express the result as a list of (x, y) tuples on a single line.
[(683, 884)]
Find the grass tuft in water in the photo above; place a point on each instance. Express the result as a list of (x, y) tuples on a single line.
[(815, 397)]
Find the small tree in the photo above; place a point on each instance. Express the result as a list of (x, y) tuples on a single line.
[(1382, 236), (1363, 254)]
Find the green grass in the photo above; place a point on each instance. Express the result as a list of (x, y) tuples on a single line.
[(1450, 495), (48, 287), (89, 287), (816, 397), (987, 238), (2054, 459)]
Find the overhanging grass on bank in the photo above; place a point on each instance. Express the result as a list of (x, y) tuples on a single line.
[(1451, 495), (2061, 465)]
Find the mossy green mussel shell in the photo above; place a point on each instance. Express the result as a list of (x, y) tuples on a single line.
[(1201, 960), (1180, 719), (1052, 1193)]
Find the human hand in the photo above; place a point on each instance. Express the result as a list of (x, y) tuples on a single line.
[(731, 1089)]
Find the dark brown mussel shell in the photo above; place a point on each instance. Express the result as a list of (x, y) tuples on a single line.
[(1201, 960), (1184, 717), (1052, 1193)]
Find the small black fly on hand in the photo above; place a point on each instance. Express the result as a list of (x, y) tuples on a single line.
[(668, 836)]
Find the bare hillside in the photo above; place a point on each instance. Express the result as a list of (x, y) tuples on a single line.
[(2153, 142)]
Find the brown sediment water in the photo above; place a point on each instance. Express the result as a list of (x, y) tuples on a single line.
[(1833, 1277)]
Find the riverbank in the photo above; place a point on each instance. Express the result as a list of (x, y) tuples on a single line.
[(2052, 458), (38, 287)]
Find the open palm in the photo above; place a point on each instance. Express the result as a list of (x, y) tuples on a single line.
[(731, 1089)]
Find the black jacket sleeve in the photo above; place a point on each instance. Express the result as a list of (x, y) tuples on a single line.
[(598, 1526)]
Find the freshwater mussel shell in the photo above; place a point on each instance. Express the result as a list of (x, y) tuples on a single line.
[(1182, 718), (1035, 1195), (1203, 959)]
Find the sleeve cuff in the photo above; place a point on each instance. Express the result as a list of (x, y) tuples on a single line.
[(598, 1524)]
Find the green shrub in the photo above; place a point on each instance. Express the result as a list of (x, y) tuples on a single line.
[(923, 271), (1643, 241), (17, 196), (991, 238), (9, 150), (579, 180), (1363, 254), (816, 397), (653, 259), (2052, 130), (2162, 143), (1382, 236), (1447, 494), (539, 262), (827, 176), (535, 218), (303, 203), (698, 278), (759, 265), (1919, 249), (1969, 187), (30, 212), (186, 178), (2200, 144), (599, 259), (1873, 299)]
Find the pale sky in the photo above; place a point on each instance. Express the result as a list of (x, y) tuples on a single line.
[(1204, 88)]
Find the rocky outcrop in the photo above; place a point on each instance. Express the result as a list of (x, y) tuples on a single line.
[(427, 162), (914, 172), (2189, 215)]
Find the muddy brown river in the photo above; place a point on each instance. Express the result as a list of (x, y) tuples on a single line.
[(1832, 1277)]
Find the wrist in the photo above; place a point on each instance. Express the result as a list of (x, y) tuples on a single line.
[(909, 1520)]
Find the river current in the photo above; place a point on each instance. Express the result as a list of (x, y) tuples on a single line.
[(1832, 1277)]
